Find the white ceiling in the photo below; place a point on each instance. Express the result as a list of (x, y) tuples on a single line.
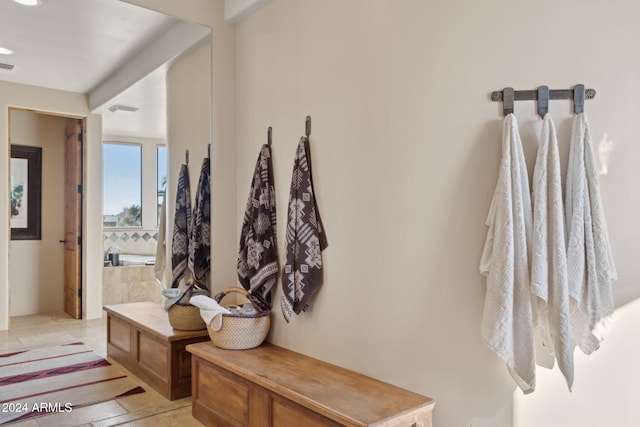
[(75, 45), (150, 121)]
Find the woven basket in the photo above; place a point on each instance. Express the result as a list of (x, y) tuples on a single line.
[(240, 332), (186, 318)]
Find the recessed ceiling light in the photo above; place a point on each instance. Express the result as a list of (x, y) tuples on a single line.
[(5, 51), (28, 2)]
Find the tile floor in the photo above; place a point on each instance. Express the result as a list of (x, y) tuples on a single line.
[(145, 409)]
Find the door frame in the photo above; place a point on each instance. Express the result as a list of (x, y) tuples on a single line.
[(81, 166)]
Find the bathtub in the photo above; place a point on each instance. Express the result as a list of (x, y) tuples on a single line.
[(132, 281), (133, 259)]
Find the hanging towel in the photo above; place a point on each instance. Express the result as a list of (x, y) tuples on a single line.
[(161, 246), (549, 261), (507, 323), (258, 255), (200, 233), (305, 238), (181, 224), (590, 265)]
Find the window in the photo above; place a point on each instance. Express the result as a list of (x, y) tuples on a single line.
[(161, 185), (122, 185)]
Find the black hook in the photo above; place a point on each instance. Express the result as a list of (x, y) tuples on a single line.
[(507, 100), (186, 155), (307, 126), (208, 151), (269, 135), (543, 101), (578, 99)]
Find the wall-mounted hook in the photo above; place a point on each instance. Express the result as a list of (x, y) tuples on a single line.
[(307, 126), (507, 100), (186, 156), (269, 135), (578, 94), (543, 101), (208, 151), (578, 99)]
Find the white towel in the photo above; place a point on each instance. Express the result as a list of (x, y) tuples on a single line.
[(161, 248), (549, 261), (210, 311), (507, 323), (590, 265)]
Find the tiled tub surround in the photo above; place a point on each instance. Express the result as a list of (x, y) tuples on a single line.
[(130, 284), (134, 241)]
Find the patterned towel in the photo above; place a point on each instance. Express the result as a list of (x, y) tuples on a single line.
[(258, 255), (306, 239), (200, 237), (181, 223)]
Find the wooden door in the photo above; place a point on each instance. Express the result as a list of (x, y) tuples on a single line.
[(73, 219)]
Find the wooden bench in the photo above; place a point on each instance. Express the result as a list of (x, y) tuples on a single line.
[(272, 386), (140, 338)]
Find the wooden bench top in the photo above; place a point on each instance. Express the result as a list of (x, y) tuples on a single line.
[(335, 392), (151, 318)]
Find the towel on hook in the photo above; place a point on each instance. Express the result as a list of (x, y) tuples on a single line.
[(305, 238), (590, 265), (548, 260), (200, 237), (507, 322), (181, 224), (258, 255), (161, 247)]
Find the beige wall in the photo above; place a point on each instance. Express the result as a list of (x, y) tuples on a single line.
[(63, 103), (37, 266), (405, 147), (222, 122), (188, 128)]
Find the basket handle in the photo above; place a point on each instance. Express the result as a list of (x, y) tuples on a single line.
[(260, 305), (236, 289)]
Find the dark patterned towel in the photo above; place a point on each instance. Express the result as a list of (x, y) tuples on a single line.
[(200, 237), (181, 223), (258, 255), (306, 239)]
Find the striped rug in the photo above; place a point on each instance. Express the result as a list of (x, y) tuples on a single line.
[(57, 379)]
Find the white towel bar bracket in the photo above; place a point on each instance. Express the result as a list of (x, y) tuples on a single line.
[(578, 94)]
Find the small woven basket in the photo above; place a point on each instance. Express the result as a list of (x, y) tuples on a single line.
[(186, 318), (238, 331)]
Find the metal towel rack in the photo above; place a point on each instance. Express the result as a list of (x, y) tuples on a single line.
[(508, 96)]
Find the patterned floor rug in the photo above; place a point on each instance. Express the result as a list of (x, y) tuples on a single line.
[(58, 379)]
